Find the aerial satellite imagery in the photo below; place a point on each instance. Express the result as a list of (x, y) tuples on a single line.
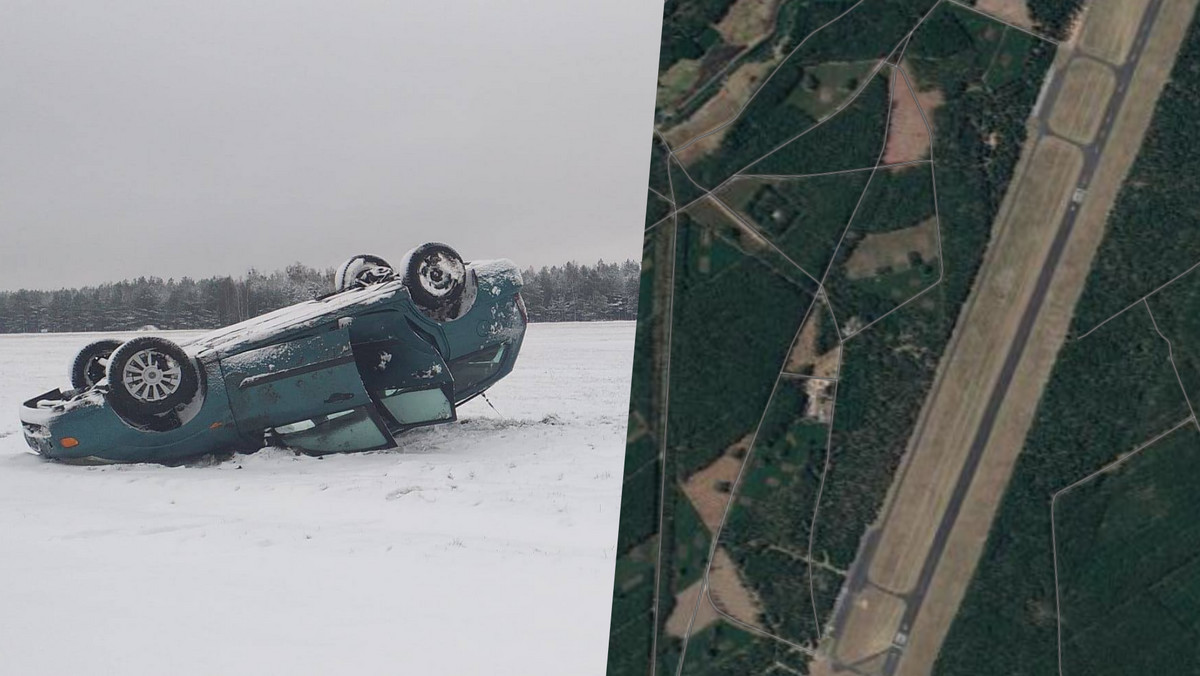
[(917, 343)]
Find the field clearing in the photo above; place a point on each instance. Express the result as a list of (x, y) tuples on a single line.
[(359, 563), (703, 487), (1012, 11), (1087, 87), (748, 21), (726, 589), (807, 352), (676, 82), (892, 249), (728, 593), (1110, 27), (894, 201), (690, 600), (721, 108), (970, 532), (908, 136), (827, 85)]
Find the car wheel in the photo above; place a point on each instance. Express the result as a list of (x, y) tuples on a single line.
[(435, 275), (362, 270), (149, 376), (91, 364)]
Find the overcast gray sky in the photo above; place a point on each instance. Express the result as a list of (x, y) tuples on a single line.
[(199, 138)]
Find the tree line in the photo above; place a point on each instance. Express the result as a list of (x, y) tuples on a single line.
[(570, 292)]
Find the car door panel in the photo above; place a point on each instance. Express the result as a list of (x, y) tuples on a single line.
[(301, 379), (403, 370)]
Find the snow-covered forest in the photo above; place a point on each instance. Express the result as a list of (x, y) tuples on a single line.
[(570, 292)]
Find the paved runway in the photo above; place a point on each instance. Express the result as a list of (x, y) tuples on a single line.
[(1092, 153)]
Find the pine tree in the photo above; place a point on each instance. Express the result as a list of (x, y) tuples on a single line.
[(570, 292)]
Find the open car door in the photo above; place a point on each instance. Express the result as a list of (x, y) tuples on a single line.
[(308, 393), (403, 372)]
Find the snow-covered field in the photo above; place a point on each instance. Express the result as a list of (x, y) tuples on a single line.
[(483, 547)]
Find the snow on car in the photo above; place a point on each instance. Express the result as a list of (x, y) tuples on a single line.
[(386, 352)]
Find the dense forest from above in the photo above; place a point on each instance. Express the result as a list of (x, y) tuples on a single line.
[(569, 292)]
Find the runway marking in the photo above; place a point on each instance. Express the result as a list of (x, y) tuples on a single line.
[(890, 667)]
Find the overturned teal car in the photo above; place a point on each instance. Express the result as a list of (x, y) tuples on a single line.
[(390, 349)]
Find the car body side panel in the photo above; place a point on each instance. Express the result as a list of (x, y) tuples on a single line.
[(102, 435), (302, 378), (494, 316)]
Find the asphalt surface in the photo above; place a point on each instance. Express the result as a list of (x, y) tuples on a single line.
[(1092, 153)]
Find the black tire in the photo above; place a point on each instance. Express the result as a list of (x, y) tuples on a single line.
[(90, 365), (362, 270), (140, 381), (435, 275)]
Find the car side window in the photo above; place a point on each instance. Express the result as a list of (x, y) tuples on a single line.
[(418, 407), (476, 367), (352, 430)]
